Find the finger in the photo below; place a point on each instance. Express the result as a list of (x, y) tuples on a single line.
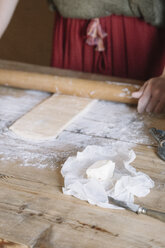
[(139, 93), (144, 100), (152, 104), (159, 107)]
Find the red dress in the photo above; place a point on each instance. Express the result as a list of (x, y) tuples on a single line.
[(133, 48)]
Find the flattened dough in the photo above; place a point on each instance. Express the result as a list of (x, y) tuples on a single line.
[(50, 117)]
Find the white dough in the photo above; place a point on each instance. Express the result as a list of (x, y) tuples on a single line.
[(50, 117), (101, 170)]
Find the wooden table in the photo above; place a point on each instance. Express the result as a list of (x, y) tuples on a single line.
[(33, 210)]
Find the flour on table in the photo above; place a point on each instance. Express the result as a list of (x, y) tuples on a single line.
[(14, 103), (115, 121), (102, 123)]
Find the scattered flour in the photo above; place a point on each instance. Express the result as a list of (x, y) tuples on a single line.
[(104, 123), (124, 84), (126, 92), (14, 103), (116, 121)]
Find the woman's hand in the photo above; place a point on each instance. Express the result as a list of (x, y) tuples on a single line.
[(152, 95)]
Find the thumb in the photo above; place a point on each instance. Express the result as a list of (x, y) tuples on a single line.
[(139, 93)]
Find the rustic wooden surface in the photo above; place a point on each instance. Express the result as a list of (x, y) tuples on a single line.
[(33, 210)]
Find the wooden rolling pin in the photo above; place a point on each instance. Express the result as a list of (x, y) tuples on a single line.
[(111, 91)]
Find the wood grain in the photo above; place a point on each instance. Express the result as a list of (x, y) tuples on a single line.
[(8, 244), (35, 213)]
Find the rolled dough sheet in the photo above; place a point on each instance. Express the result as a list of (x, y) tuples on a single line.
[(50, 117)]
